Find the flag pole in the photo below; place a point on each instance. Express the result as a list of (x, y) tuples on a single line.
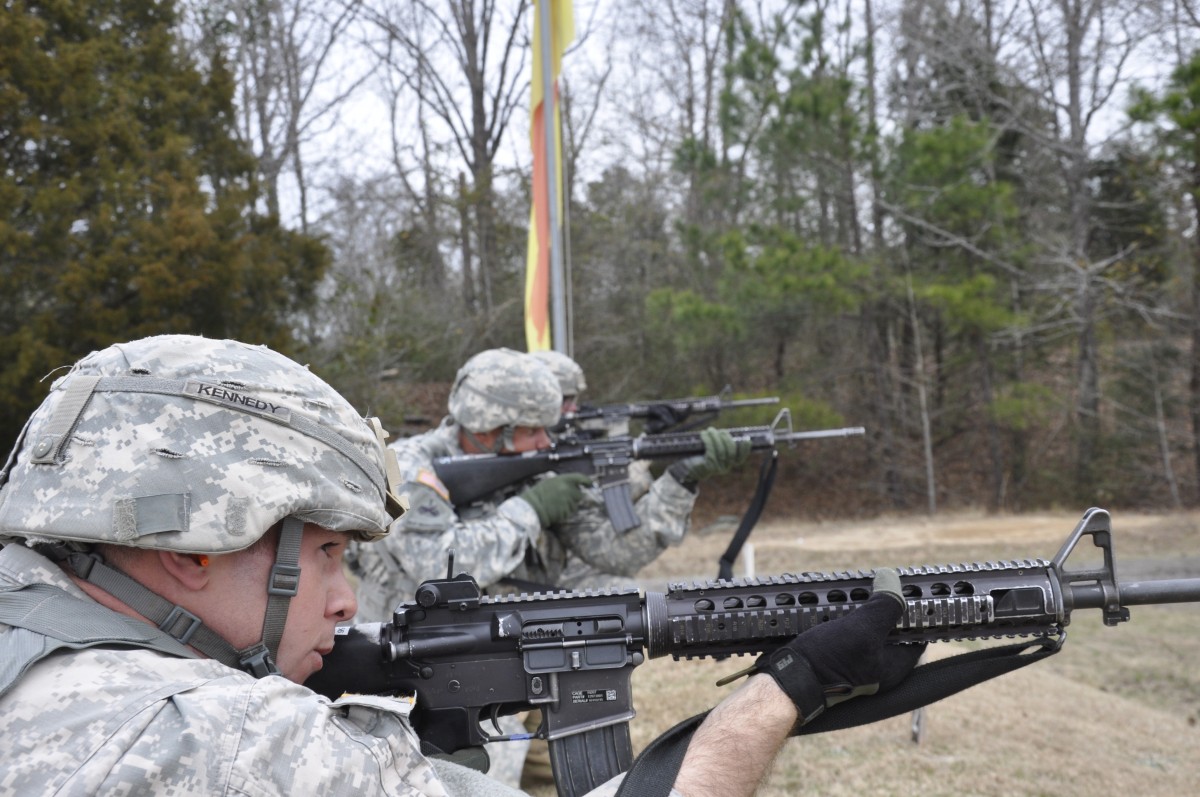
[(558, 317)]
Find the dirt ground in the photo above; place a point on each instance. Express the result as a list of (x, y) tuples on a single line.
[(1117, 711)]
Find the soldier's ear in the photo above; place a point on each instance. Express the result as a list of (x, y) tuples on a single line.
[(190, 570)]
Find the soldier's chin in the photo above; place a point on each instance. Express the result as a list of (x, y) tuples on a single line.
[(312, 662)]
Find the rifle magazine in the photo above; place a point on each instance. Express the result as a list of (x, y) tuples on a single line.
[(583, 761)]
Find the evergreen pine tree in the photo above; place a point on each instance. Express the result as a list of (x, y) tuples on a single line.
[(127, 205)]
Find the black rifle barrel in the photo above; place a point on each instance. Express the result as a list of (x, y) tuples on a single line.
[(1138, 593), (472, 477), (643, 409)]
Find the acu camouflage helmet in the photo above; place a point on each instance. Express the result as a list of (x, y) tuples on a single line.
[(566, 370), (193, 445), (502, 388)]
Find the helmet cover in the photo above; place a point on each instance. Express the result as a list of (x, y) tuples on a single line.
[(190, 444), (500, 388), (566, 370)]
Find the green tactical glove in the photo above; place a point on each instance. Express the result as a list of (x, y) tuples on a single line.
[(721, 454), (847, 657), (556, 498)]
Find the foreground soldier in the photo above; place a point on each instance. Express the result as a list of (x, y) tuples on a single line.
[(554, 532), (173, 520)]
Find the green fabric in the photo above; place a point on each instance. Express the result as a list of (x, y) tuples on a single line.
[(722, 453), (556, 499)]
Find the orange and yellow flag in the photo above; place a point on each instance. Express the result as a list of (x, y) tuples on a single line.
[(537, 264)]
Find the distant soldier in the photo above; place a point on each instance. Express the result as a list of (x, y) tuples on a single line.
[(664, 505), (663, 417), (568, 373), (551, 531), (589, 534)]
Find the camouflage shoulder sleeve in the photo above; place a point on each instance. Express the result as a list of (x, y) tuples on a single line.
[(489, 546), (666, 510), (355, 746), (109, 721), (428, 509)]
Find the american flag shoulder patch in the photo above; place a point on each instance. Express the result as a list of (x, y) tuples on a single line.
[(430, 479)]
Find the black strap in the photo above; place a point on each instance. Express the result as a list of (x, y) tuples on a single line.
[(932, 682), (654, 771), (172, 619), (766, 479)]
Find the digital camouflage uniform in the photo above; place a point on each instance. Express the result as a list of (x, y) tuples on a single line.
[(103, 721), (184, 444), (596, 556), (588, 535), (489, 540)]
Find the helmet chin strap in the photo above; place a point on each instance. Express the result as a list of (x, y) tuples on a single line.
[(259, 659), (180, 624), (504, 442)]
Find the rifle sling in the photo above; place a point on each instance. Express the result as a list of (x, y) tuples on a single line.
[(654, 771), (766, 479)]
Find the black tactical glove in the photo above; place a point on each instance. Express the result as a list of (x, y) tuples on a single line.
[(663, 417), (845, 658), (721, 454), (556, 498)]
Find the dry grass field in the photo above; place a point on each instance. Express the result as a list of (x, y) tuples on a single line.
[(1117, 711)]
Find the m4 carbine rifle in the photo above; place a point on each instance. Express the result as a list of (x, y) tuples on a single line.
[(471, 477), (679, 415), (468, 657)]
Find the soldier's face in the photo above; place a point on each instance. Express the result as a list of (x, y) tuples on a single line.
[(529, 438), (525, 438), (322, 600)]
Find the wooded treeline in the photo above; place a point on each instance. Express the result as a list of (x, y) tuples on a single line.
[(967, 226)]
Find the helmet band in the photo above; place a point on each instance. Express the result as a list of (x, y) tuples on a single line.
[(48, 447)]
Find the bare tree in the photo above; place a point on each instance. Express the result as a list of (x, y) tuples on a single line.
[(424, 182), (293, 73), (1079, 52), (676, 59), (1047, 75), (461, 64)]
